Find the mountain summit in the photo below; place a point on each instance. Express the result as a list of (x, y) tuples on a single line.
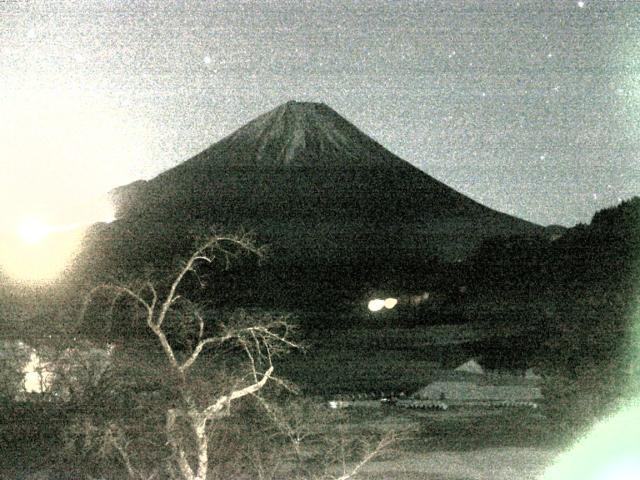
[(315, 188), (299, 160), (296, 134)]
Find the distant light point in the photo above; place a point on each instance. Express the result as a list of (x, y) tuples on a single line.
[(581, 4), (207, 59), (376, 305), (542, 157), (389, 303)]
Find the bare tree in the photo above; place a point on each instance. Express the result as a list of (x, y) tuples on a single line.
[(260, 341), (317, 445), (259, 338)]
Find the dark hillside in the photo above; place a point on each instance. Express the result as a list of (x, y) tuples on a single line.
[(315, 189), (580, 289)]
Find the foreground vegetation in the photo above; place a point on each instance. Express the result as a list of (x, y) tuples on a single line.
[(193, 399), (246, 449), (199, 390)]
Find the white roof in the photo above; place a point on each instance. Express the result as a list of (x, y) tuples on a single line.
[(471, 367)]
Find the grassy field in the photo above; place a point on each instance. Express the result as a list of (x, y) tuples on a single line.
[(485, 464), (459, 444), (465, 444), (394, 360), (464, 428)]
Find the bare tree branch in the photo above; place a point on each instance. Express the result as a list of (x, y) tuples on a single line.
[(119, 291), (212, 410), (197, 350), (380, 447), (181, 457), (260, 341)]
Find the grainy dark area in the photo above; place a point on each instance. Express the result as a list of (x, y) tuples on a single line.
[(319, 240)]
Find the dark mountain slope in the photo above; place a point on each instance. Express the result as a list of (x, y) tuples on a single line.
[(318, 190), (303, 161), (339, 213)]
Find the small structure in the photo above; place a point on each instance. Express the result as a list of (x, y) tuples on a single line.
[(470, 384), (470, 392), (472, 366), (532, 374)]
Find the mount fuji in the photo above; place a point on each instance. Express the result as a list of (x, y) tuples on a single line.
[(313, 187)]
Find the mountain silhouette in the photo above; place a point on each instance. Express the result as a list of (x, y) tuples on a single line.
[(314, 188)]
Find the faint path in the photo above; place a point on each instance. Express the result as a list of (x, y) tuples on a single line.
[(509, 463)]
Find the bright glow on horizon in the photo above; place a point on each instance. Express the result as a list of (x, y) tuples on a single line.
[(32, 230), (37, 251), (61, 146), (39, 261)]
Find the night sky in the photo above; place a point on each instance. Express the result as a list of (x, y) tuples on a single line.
[(530, 107)]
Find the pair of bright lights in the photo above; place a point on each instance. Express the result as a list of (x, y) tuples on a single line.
[(378, 304)]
